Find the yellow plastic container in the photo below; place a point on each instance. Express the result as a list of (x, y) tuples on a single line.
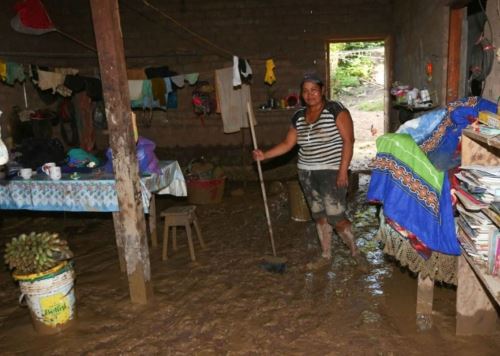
[(50, 297)]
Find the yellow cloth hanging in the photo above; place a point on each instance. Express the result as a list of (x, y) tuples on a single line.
[(270, 78), (3, 70)]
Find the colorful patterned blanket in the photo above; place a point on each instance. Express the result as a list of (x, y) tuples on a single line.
[(410, 176), (415, 194)]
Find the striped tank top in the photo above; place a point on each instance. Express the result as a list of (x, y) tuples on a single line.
[(320, 143)]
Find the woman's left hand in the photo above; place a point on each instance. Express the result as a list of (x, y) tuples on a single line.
[(342, 180)]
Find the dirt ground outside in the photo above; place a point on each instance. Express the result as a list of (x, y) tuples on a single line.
[(368, 125)]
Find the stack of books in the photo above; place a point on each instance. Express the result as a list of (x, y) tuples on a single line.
[(494, 253), (479, 214), (476, 226), (481, 181)]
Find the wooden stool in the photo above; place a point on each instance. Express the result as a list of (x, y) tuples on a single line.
[(180, 216)]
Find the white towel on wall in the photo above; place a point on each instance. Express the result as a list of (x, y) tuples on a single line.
[(135, 89), (232, 101)]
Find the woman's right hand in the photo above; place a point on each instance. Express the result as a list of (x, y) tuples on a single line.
[(258, 155)]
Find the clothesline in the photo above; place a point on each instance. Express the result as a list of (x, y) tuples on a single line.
[(158, 92), (195, 34), (65, 80), (199, 37)]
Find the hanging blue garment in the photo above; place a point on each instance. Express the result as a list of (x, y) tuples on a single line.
[(172, 100)]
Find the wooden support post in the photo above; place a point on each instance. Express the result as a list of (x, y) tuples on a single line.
[(119, 235), (454, 42), (130, 218), (425, 296), (476, 315)]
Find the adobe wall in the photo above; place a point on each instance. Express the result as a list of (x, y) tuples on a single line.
[(421, 34), (292, 32), (492, 87)]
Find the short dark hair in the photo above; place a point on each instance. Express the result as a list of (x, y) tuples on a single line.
[(313, 78)]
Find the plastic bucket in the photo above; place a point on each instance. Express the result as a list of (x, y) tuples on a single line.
[(299, 211), (209, 191), (50, 297)]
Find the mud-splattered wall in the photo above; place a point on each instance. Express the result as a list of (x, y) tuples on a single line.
[(293, 33)]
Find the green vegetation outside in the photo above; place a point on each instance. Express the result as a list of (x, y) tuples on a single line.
[(374, 105), (350, 71)]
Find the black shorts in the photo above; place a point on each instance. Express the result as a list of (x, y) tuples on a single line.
[(325, 200)]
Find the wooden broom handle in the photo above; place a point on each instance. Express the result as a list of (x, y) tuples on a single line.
[(251, 119)]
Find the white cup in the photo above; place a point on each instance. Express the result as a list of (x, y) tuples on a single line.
[(55, 173), (412, 97), (47, 166), (424, 95), (25, 173)]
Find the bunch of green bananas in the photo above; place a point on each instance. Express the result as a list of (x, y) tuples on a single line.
[(36, 252)]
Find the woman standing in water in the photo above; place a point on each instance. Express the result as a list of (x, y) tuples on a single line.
[(325, 135)]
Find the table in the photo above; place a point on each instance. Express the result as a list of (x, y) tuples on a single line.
[(407, 113), (93, 192)]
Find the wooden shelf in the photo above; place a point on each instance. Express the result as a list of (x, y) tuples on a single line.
[(493, 141), (491, 283), (478, 293), (479, 149)]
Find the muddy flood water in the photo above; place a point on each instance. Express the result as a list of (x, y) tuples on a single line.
[(225, 303)]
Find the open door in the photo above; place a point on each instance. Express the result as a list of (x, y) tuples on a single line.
[(358, 75)]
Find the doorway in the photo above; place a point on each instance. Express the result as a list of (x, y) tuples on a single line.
[(357, 77)]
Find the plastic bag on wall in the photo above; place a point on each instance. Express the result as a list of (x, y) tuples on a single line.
[(146, 157)]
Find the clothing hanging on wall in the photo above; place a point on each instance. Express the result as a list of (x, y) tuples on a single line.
[(231, 101), (84, 108), (270, 78)]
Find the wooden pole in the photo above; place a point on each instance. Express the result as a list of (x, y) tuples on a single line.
[(131, 221), (454, 42), (251, 119), (425, 295)]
